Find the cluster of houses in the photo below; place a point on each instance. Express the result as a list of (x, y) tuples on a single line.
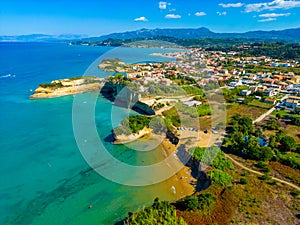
[(205, 66)]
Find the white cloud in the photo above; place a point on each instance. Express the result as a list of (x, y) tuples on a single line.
[(172, 10), (222, 13), (172, 16), (273, 15), (276, 4), (200, 14), (162, 5), (231, 5), (267, 20), (142, 19)]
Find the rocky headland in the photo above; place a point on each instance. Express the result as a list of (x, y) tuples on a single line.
[(64, 87)]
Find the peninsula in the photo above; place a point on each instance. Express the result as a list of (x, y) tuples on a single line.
[(70, 86)]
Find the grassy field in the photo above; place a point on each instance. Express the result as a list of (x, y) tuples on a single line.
[(293, 131), (260, 104), (232, 109), (281, 112), (247, 203), (244, 110), (290, 130), (286, 172)]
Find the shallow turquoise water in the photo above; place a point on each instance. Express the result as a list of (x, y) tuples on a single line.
[(44, 178)]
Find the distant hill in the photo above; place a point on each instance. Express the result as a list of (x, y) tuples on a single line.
[(281, 35), (41, 37), (290, 35)]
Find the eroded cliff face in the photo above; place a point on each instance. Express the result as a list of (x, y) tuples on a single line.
[(122, 96), (122, 139)]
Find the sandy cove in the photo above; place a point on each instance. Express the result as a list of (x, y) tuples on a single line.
[(181, 180)]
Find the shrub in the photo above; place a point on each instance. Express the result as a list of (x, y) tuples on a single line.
[(160, 213), (212, 156), (52, 85), (192, 202), (219, 177), (265, 177), (206, 200), (263, 166), (203, 201), (243, 181), (296, 193)]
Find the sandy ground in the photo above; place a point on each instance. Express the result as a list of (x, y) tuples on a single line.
[(208, 140), (181, 181)]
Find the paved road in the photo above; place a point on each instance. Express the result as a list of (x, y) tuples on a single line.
[(263, 116), (261, 174)]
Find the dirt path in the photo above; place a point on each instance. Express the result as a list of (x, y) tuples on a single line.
[(263, 116), (261, 174)]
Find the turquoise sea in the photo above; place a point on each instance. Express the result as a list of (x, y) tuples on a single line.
[(44, 178)]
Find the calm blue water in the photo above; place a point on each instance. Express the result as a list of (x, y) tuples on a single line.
[(44, 178)]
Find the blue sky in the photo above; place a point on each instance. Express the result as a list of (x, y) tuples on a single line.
[(99, 17)]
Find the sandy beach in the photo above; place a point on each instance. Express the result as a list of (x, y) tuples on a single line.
[(181, 180)]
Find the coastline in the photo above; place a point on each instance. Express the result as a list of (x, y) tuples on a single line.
[(124, 139), (65, 87), (181, 180)]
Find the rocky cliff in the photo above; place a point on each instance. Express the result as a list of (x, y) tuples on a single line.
[(66, 87), (122, 139), (122, 96)]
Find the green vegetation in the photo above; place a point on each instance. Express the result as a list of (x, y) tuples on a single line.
[(274, 49), (296, 193), (211, 85), (193, 90), (204, 110), (243, 142), (52, 85), (203, 201), (243, 181), (295, 120), (160, 213), (230, 95), (243, 110), (180, 80), (278, 50), (219, 177), (287, 143), (272, 125), (132, 124), (290, 159), (190, 112), (157, 89), (119, 79), (259, 104), (212, 155), (263, 166), (112, 64)]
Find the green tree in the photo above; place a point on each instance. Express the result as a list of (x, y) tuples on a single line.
[(266, 153), (252, 148), (273, 142), (287, 143), (220, 177)]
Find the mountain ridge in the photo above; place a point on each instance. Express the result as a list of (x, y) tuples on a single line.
[(292, 35)]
